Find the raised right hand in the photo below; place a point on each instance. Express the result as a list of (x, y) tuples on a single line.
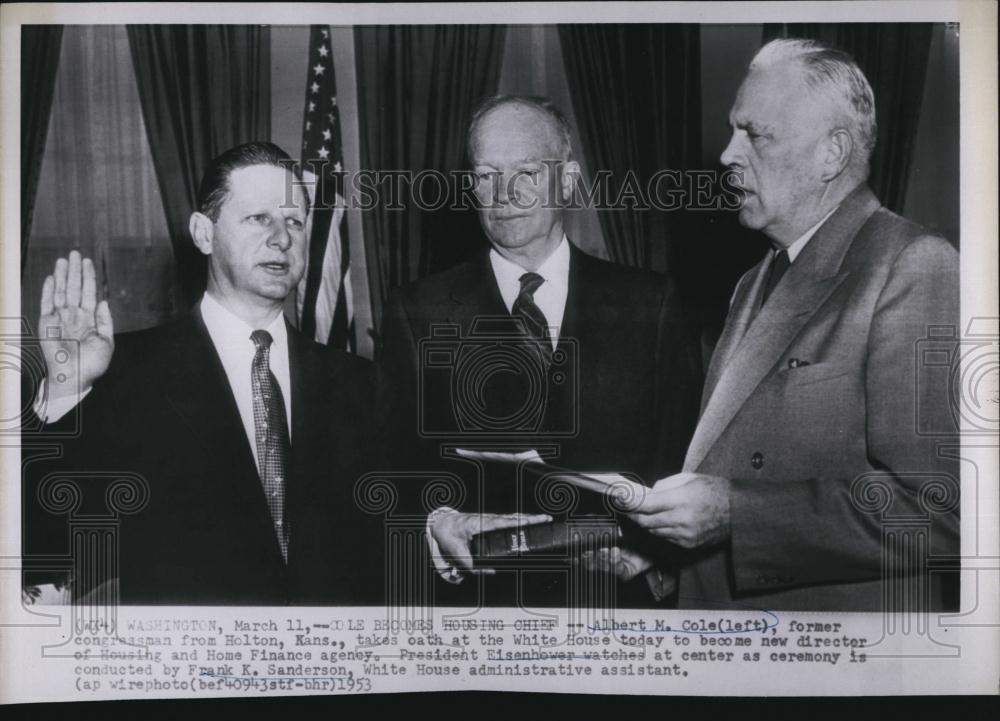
[(76, 331)]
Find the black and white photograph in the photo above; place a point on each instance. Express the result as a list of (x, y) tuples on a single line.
[(486, 347)]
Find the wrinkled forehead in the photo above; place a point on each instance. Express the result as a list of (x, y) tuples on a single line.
[(778, 95)]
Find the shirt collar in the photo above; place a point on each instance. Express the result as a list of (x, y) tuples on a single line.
[(229, 331), (795, 248), (554, 270)]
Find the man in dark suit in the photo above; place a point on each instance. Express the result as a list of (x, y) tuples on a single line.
[(241, 437), (809, 483), (616, 385)]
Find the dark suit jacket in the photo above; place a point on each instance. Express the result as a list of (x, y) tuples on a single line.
[(165, 411), (626, 400), (831, 424)]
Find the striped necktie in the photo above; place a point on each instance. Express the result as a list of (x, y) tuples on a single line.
[(534, 320)]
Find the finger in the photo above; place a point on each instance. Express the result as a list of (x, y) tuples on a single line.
[(105, 326), (59, 298), (88, 296), (48, 287), (655, 502), (73, 280), (675, 481), (661, 519), (512, 520)]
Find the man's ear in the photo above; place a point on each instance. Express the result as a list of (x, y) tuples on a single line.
[(570, 177), (202, 232), (837, 151)]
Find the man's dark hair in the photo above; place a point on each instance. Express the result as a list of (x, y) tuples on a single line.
[(214, 187)]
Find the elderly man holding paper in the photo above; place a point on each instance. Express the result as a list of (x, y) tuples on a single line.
[(809, 446)]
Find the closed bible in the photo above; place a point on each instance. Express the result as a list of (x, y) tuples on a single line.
[(554, 538)]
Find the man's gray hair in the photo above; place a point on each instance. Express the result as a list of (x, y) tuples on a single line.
[(834, 72), (544, 106)]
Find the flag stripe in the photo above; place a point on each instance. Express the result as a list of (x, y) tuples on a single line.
[(326, 308)]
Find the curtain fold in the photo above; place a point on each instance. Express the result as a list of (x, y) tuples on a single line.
[(894, 58), (203, 90), (417, 86), (40, 48), (636, 94), (97, 192)]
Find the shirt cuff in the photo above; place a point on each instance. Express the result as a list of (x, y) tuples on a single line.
[(51, 410), (448, 572)]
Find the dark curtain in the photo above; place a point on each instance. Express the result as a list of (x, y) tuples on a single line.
[(417, 86), (40, 45), (894, 59), (204, 89), (636, 95)]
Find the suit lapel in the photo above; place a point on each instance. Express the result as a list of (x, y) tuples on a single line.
[(310, 393), (588, 308), (199, 393), (475, 294), (810, 280), (741, 314)]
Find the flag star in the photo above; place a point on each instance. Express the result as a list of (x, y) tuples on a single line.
[(323, 51), (319, 69), (333, 101), (327, 134), (324, 153), (314, 87), (308, 124), (326, 33), (312, 106), (337, 167)]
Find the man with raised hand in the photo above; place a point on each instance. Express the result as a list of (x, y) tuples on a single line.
[(246, 437)]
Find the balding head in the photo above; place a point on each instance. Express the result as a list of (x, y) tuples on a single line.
[(521, 155), (536, 115)]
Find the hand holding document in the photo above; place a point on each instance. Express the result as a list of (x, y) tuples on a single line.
[(686, 509), (625, 493)]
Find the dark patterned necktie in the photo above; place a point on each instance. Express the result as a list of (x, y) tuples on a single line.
[(779, 265), (271, 430), (534, 320)]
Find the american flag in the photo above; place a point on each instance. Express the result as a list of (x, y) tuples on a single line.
[(325, 303)]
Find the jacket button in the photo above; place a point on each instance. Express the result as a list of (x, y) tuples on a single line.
[(757, 461)]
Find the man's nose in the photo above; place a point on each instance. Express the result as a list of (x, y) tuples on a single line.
[(733, 155), (280, 238), (502, 190)]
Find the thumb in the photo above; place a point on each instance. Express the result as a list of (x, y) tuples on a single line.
[(105, 325)]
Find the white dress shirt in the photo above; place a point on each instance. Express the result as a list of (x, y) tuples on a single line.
[(231, 337), (550, 297), (795, 248)]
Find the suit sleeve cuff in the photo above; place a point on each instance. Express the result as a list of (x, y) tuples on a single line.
[(52, 410)]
